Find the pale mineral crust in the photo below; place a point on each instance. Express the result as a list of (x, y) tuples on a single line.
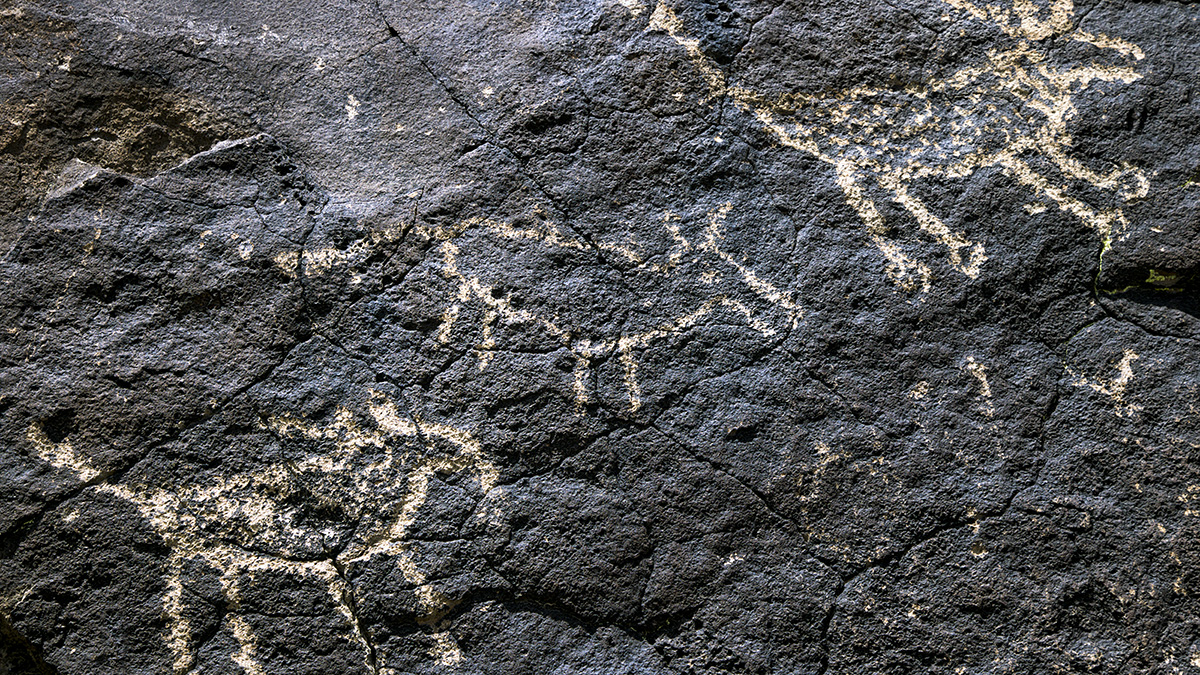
[(599, 336)]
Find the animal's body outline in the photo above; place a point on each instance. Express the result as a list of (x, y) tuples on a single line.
[(498, 309), (177, 515), (865, 142)]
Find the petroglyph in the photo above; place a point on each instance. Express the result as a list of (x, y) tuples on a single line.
[(1113, 388), (654, 397), (446, 650), (248, 523), (499, 311), (1006, 112), (316, 262), (1190, 499), (635, 7), (61, 455), (979, 372)]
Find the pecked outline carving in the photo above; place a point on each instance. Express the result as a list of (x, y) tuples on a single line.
[(473, 289), (949, 128), (228, 522)]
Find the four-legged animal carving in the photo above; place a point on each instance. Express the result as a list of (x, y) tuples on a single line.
[(499, 310), (243, 524), (1001, 113)]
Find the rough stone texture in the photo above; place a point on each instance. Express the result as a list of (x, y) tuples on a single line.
[(599, 336)]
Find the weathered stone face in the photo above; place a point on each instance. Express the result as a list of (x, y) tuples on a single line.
[(629, 336)]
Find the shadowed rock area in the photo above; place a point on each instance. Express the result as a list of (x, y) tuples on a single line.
[(600, 336)]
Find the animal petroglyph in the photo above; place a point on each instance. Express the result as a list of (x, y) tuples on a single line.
[(246, 524), (1010, 112), (499, 310)]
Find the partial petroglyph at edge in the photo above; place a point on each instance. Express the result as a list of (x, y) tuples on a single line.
[(244, 524), (1013, 107)]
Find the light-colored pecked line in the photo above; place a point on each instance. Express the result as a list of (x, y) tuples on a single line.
[(948, 128), (198, 522)]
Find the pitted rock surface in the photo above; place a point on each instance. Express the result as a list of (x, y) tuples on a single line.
[(600, 336)]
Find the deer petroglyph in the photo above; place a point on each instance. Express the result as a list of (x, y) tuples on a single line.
[(498, 310)]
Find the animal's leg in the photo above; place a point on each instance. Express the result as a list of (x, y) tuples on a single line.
[(391, 541), (232, 564), (581, 372), (1130, 180), (629, 365), (486, 349), (933, 226), (247, 645), (1106, 223), (179, 629), (902, 267), (447, 326), (628, 343), (343, 595)]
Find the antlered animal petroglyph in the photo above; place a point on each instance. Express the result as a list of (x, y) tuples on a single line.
[(1013, 107), (1011, 112), (498, 310)]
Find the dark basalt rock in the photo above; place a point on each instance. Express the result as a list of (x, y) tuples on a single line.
[(604, 336)]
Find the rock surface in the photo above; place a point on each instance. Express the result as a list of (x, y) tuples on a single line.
[(600, 336)]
